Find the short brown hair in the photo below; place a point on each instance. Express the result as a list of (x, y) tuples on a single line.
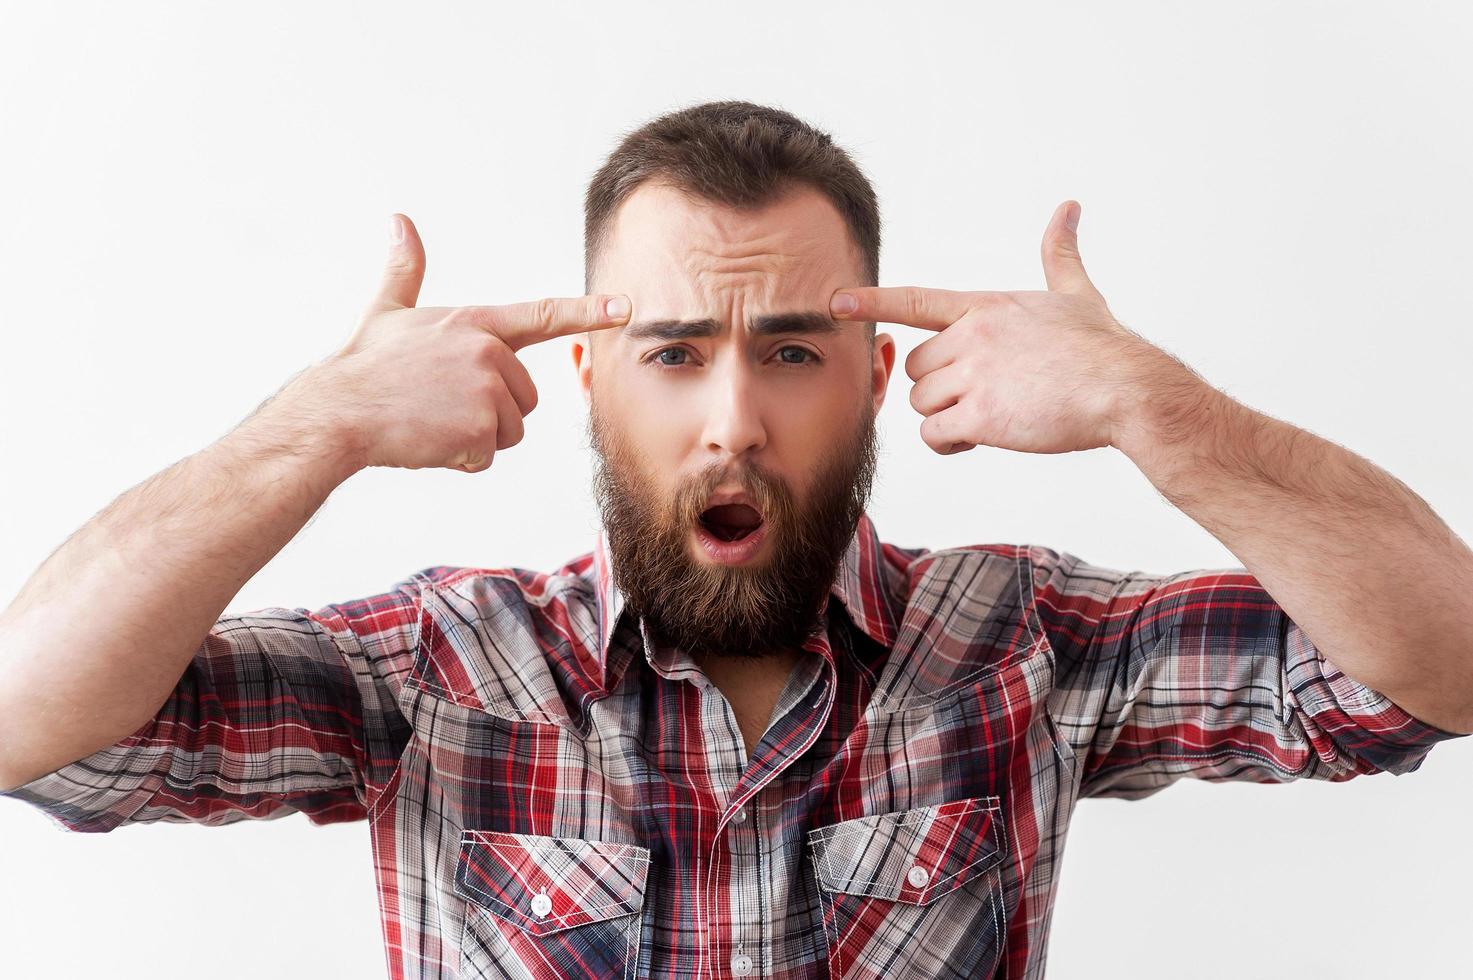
[(738, 154)]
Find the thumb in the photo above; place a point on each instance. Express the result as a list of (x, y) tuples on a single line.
[(1063, 269), (405, 271)]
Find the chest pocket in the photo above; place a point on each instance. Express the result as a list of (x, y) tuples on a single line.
[(915, 893), (549, 906)]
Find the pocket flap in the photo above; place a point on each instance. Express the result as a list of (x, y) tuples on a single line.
[(913, 856), (583, 881)]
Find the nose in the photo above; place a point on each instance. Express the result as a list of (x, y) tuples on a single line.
[(733, 424)]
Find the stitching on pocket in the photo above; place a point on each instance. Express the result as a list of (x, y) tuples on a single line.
[(927, 813), (630, 945), (826, 912), (539, 842), (529, 843), (825, 838), (481, 913), (996, 918), (556, 918)]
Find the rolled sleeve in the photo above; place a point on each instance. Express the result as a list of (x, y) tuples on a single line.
[(1353, 729), (280, 711), (1203, 674)]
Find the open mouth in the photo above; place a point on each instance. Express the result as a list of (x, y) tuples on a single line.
[(730, 522)]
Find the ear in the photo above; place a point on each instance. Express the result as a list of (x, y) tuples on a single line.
[(583, 365), (884, 363)]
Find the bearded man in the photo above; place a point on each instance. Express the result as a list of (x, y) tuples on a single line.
[(741, 736)]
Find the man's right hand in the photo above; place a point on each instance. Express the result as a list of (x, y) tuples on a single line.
[(436, 386)]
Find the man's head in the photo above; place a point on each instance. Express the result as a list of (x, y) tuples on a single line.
[(729, 226)]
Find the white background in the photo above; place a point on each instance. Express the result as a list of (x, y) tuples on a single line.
[(194, 207)]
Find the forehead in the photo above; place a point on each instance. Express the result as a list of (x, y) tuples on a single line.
[(674, 253)]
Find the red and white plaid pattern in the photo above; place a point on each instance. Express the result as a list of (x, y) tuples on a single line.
[(549, 795)]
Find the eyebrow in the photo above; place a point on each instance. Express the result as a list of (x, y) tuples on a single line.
[(802, 322)]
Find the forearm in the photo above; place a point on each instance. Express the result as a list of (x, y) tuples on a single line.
[(101, 633), (1376, 580)]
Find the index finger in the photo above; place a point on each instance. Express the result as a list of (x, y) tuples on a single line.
[(522, 324), (914, 306)]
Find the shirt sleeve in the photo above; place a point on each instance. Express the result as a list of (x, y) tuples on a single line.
[(281, 710), (1203, 674)]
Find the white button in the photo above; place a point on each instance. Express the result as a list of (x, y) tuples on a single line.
[(918, 876), (541, 905), (741, 965), (740, 816)]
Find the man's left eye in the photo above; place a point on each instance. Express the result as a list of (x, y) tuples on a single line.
[(808, 355)]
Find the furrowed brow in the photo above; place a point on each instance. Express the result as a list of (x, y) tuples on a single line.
[(805, 322), (671, 329)]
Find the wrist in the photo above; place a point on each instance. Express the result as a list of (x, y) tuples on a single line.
[(302, 424), (1162, 409)]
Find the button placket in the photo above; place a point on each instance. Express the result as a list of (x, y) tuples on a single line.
[(819, 686)]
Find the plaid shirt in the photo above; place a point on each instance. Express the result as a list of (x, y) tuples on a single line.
[(548, 795)]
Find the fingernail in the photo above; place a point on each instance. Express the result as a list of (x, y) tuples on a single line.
[(617, 308), (396, 230), (843, 303), (1071, 217)]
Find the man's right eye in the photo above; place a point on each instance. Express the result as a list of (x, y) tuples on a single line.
[(658, 357)]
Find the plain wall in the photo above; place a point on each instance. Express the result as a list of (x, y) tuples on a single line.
[(194, 208)]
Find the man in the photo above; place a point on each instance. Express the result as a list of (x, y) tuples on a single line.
[(742, 736)]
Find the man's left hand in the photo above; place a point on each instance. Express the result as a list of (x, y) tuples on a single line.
[(1033, 371)]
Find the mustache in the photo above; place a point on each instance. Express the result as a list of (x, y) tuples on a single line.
[(771, 496), (769, 605)]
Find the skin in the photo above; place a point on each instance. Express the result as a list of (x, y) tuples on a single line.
[(1329, 535), (733, 398), (1042, 371), (84, 663)]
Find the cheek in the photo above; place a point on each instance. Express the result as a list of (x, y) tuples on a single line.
[(814, 415), (661, 421)]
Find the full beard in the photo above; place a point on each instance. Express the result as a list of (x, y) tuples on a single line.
[(766, 605)]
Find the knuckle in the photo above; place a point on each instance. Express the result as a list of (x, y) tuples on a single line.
[(511, 434), (483, 423), (487, 318), (495, 388), (488, 349), (912, 365), (483, 394), (453, 319), (915, 304), (400, 266), (916, 398), (544, 314)]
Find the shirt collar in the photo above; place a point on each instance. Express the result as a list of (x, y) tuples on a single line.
[(860, 585)]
